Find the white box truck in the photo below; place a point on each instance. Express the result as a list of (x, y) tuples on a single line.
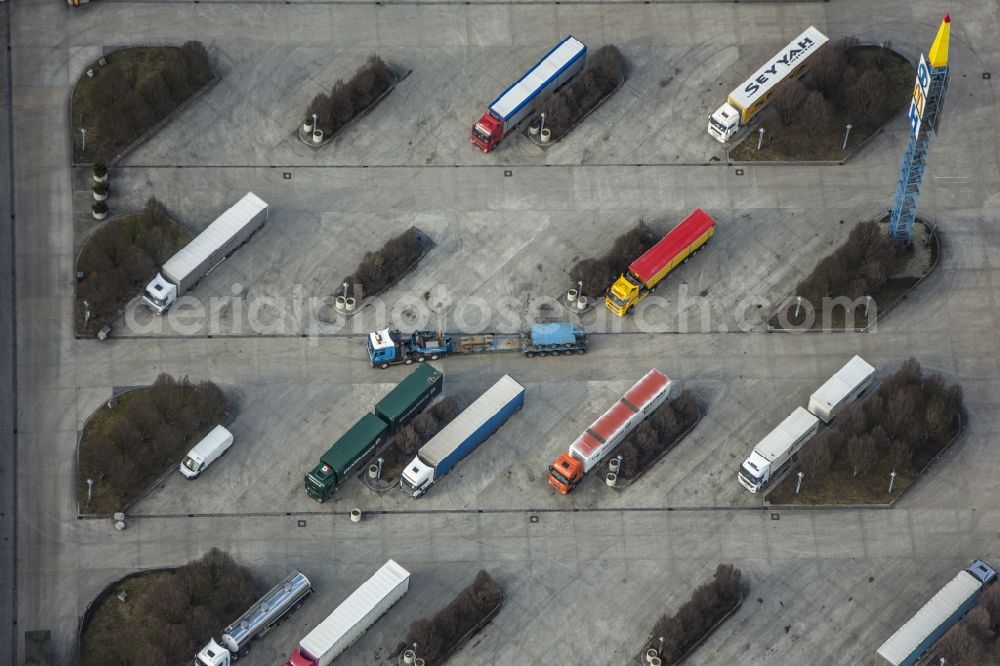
[(352, 618), (205, 452), (777, 449), (764, 85), (843, 388), (197, 259)]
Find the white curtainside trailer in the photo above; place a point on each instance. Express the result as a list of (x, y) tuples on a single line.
[(353, 617), (844, 387), (196, 259), (910, 643)]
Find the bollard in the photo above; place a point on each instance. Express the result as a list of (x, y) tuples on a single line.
[(655, 661), (581, 303), (533, 129), (546, 134), (408, 656), (355, 515), (373, 471), (317, 135), (307, 126), (340, 303), (571, 295), (349, 303), (615, 464), (611, 479), (120, 525), (418, 662), (651, 654)]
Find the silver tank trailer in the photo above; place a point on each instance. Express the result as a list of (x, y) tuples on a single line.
[(266, 612)]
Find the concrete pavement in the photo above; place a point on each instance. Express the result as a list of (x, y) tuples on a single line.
[(833, 584), (8, 397)]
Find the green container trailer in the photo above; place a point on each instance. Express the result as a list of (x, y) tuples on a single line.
[(358, 445), (346, 456), (410, 397)]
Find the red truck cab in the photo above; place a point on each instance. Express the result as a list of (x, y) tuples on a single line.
[(565, 473), (299, 659), (487, 132)]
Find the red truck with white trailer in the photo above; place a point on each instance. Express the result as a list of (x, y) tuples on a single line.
[(646, 272), (609, 430), (516, 103)]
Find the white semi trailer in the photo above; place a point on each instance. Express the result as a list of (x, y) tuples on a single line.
[(352, 618), (842, 389), (196, 259), (756, 92), (777, 450)]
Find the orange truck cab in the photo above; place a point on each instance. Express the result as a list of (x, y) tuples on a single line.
[(565, 473)]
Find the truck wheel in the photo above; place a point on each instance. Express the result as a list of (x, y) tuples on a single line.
[(555, 352), (434, 357), (383, 366), (542, 354), (408, 361), (630, 309), (581, 351), (569, 345), (686, 259), (421, 359), (529, 354)]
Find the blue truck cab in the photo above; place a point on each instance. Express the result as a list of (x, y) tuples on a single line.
[(386, 347)]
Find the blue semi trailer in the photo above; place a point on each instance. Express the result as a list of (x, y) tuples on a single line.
[(389, 347), (465, 432), (907, 646)]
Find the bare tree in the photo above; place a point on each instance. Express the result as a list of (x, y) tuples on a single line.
[(790, 100), (816, 458), (958, 646), (860, 453), (979, 624), (817, 109)]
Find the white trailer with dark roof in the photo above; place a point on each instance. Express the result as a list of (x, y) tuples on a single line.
[(352, 618), (196, 259), (843, 388)]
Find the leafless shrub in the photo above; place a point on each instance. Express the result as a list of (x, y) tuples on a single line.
[(380, 269), (347, 99), (598, 274), (707, 605), (566, 106), (437, 636)]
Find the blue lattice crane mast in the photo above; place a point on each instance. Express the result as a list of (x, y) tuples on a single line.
[(925, 113)]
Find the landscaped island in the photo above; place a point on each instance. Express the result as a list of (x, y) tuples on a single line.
[(138, 436), (119, 101)]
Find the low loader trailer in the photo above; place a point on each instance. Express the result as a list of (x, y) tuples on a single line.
[(390, 347)]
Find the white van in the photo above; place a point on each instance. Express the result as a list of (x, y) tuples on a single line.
[(215, 444)]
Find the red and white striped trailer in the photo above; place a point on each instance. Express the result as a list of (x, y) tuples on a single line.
[(609, 430)]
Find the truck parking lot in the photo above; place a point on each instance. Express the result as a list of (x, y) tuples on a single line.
[(823, 582)]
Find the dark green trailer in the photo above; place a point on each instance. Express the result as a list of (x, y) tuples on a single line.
[(410, 397), (358, 445), (38, 648), (346, 456)]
